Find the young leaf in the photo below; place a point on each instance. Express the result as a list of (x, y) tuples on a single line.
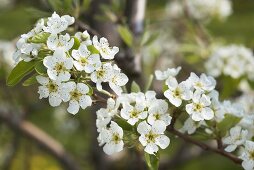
[(40, 68), (39, 38), (21, 70), (148, 39), (126, 126), (135, 87), (31, 80), (152, 161), (125, 34), (76, 43), (92, 49), (227, 123)]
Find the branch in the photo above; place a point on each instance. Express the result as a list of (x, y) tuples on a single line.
[(40, 137), (84, 27), (204, 146)]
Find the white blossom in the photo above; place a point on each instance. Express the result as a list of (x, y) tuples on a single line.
[(191, 126), (203, 83), (134, 113), (57, 24), (237, 136), (103, 47), (101, 74), (177, 92), (113, 139), (117, 79), (247, 155), (58, 66), (152, 136), (76, 95), (84, 60), (64, 42), (158, 111), (84, 37), (50, 89), (199, 108), (170, 72)]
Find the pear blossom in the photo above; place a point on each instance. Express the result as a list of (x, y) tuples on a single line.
[(117, 79), (199, 108), (152, 136), (177, 92), (51, 89), (158, 111), (57, 24), (58, 66), (170, 72), (84, 37), (237, 136), (101, 74), (103, 47), (62, 41), (191, 126), (76, 95), (203, 83), (113, 138), (247, 155), (133, 113), (84, 60)]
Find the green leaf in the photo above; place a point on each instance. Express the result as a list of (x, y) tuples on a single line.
[(92, 49), (30, 81), (21, 70), (148, 39), (230, 86), (90, 93), (227, 123), (149, 83), (152, 161), (44, 52), (39, 38), (40, 68), (86, 4), (123, 124), (56, 5), (76, 43), (125, 34), (135, 87)]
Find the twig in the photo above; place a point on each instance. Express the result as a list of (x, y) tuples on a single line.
[(84, 27), (32, 132), (204, 146)]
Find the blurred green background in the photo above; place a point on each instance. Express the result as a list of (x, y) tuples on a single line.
[(77, 133)]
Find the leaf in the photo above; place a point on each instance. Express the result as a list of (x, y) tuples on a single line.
[(90, 93), (227, 123), (152, 161), (37, 13), (76, 43), (230, 86), (148, 39), (149, 83), (86, 4), (31, 80), (21, 70), (125, 34), (135, 87), (92, 49), (43, 53), (123, 124), (39, 38), (40, 68), (56, 5)]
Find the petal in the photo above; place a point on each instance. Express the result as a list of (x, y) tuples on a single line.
[(230, 148), (143, 128), (83, 88), (208, 113), (158, 127), (54, 99), (42, 80), (172, 83), (85, 101), (73, 107), (162, 141), (43, 91), (151, 148)]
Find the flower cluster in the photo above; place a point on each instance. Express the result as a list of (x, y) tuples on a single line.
[(145, 114), (202, 10), (71, 63), (234, 61)]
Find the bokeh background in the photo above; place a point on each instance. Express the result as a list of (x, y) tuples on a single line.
[(25, 115)]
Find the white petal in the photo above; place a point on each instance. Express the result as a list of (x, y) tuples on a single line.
[(162, 141), (54, 99), (85, 101), (143, 128), (42, 80), (151, 148), (158, 127), (73, 107)]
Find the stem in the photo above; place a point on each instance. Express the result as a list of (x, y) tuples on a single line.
[(204, 146)]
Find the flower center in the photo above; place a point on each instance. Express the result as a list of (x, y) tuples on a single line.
[(52, 87), (59, 67), (83, 61), (134, 113), (75, 95), (116, 138), (105, 50), (150, 137), (199, 84), (177, 92), (157, 116), (198, 107), (100, 73)]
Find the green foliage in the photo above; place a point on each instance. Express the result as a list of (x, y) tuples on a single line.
[(227, 123), (76, 43), (92, 49), (125, 34), (123, 124), (152, 161), (19, 72), (230, 86), (40, 68), (30, 81), (39, 38), (135, 87), (149, 38)]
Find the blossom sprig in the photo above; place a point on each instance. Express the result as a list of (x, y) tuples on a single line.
[(68, 68)]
